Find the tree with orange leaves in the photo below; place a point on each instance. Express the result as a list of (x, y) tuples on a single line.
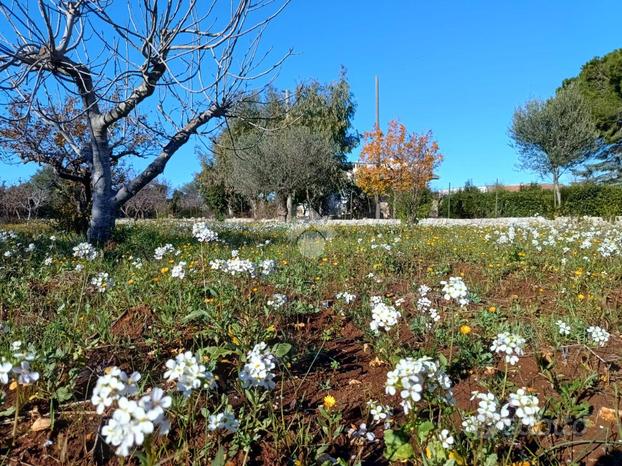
[(397, 162)]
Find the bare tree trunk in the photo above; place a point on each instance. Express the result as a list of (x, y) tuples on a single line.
[(290, 207), (377, 201), (557, 195), (104, 208)]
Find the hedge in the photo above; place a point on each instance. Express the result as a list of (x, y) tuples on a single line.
[(577, 200)]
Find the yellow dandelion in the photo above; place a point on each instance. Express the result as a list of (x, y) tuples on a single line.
[(492, 309), (164, 270), (465, 329), (329, 402)]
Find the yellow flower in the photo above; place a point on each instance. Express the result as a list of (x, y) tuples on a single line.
[(453, 455), (130, 282), (209, 300), (164, 270), (492, 309), (465, 329), (580, 296), (329, 402)]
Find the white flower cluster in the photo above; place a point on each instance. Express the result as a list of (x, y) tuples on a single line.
[(383, 316), (509, 344), (413, 378), (203, 233), (102, 282), (380, 413), (165, 250), (526, 406), (446, 439), (257, 370), (113, 385), (455, 289), (234, 266), (179, 270), (347, 298), (85, 251), (223, 421), (599, 335), (267, 266), (237, 266), (133, 420), (18, 365), (277, 300), (188, 374), (493, 416), (424, 304)]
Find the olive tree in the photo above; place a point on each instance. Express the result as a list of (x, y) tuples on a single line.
[(290, 162), (185, 62), (554, 136)]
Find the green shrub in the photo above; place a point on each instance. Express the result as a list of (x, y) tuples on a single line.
[(577, 200)]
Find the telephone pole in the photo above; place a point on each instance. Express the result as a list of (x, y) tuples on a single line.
[(377, 197)]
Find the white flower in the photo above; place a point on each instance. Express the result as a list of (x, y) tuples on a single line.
[(5, 369), (26, 376), (111, 386), (127, 427), (380, 413), (511, 345), (223, 421), (267, 266), (527, 408), (446, 439), (48, 261), (188, 373), (383, 316), (599, 335), (455, 289), (361, 434), (563, 327), (489, 414), (102, 282), (413, 378), (203, 233), (178, 271), (235, 266), (277, 300), (155, 404), (162, 251), (85, 251), (257, 370), (348, 298)]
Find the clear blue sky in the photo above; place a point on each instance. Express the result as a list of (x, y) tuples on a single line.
[(456, 67)]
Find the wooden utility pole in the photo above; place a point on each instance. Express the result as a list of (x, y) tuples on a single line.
[(377, 197)]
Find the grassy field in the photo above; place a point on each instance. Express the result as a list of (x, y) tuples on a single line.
[(229, 344)]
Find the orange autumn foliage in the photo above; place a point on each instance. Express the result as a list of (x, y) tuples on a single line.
[(396, 162)]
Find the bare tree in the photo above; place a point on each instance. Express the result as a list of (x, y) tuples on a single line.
[(151, 201), (189, 61), (24, 200)]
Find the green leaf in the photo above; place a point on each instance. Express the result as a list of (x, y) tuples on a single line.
[(196, 315), (424, 429), (219, 459), (8, 412), (491, 460), (281, 349), (63, 394), (397, 446)]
